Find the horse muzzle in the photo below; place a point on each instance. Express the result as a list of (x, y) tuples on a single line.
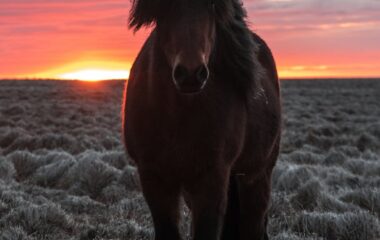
[(190, 81)]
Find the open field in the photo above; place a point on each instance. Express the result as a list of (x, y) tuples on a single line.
[(64, 174)]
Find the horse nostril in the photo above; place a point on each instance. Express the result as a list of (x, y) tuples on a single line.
[(180, 73), (202, 73)]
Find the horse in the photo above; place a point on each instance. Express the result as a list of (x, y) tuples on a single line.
[(202, 118)]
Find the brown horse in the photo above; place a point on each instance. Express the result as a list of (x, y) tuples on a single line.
[(202, 118)]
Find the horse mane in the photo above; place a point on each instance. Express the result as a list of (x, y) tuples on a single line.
[(237, 51)]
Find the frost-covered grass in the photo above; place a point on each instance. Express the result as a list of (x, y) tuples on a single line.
[(64, 174)]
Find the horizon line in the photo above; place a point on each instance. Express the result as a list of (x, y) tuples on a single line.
[(122, 79)]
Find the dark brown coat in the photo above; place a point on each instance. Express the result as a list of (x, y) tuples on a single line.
[(218, 147)]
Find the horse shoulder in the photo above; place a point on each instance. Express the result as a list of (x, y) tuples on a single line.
[(266, 59), (265, 109)]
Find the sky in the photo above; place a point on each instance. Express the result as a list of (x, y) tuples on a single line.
[(90, 38)]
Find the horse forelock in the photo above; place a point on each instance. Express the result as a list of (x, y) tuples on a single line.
[(147, 12)]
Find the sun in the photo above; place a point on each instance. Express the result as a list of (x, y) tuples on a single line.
[(95, 74), (88, 70)]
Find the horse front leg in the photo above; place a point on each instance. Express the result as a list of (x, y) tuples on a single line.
[(162, 196), (208, 196), (254, 201)]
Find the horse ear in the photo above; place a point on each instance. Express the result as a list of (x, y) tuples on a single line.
[(143, 13)]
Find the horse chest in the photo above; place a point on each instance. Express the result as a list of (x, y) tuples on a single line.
[(192, 137)]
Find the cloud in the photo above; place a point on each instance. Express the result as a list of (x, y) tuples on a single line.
[(314, 12), (319, 32), (39, 35)]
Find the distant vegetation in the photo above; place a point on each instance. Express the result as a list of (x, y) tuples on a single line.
[(64, 173)]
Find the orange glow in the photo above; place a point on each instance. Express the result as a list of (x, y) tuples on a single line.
[(323, 71), (49, 39), (96, 75), (88, 71)]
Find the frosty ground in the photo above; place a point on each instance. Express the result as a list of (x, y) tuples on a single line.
[(64, 173)]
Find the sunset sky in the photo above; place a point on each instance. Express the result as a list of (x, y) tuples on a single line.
[(90, 38)]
